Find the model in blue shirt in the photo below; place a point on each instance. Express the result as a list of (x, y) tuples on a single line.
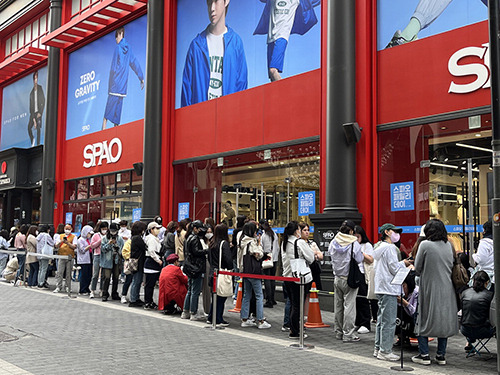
[(196, 75)]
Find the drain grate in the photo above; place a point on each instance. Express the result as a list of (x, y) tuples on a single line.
[(5, 337)]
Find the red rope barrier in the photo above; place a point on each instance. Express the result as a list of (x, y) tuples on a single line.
[(265, 277)]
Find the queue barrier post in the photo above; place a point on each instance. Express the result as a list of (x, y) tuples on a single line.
[(301, 344), (214, 326), (24, 271)]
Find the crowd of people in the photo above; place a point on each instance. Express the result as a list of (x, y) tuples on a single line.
[(181, 259)]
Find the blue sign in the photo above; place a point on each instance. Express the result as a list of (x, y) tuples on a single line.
[(136, 214), (183, 211), (307, 203), (402, 196), (69, 218), (449, 229)]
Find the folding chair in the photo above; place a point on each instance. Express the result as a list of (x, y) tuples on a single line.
[(479, 347)]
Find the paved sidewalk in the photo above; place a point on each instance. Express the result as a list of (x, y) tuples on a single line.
[(52, 334)]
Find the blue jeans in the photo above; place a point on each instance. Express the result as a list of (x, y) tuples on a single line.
[(386, 322), (135, 288), (33, 276), (193, 293), (423, 345), (126, 284), (256, 285), (95, 273), (42, 271), (288, 306), (21, 260)]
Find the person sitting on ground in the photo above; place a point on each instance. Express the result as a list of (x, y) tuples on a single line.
[(173, 287), (10, 272), (410, 302), (476, 303)]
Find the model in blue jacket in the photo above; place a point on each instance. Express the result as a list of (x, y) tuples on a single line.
[(196, 75)]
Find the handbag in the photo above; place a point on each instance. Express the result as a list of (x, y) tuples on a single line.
[(459, 276), (299, 266), (224, 282), (268, 263), (130, 266), (355, 276)]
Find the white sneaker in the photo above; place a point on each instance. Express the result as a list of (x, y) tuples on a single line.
[(263, 325), (197, 318), (375, 352), (185, 315), (248, 323), (123, 299), (56, 290), (91, 294), (388, 356), (363, 330), (67, 290)]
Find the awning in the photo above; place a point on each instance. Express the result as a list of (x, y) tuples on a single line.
[(21, 61)]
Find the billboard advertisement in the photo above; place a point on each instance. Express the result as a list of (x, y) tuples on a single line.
[(23, 111), (226, 46), (106, 81)]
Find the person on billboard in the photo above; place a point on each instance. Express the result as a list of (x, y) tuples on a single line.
[(427, 12), (37, 104), (215, 62), (279, 19), (123, 58)]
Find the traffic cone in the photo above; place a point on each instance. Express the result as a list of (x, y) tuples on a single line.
[(237, 308), (314, 318)]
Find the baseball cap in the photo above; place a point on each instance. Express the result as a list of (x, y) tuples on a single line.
[(153, 224), (389, 226)]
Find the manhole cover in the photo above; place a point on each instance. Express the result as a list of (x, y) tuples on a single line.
[(5, 337)]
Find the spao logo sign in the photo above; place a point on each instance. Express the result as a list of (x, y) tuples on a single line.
[(97, 153), (480, 70)]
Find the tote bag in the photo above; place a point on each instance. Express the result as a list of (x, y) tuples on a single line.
[(299, 266), (224, 282)]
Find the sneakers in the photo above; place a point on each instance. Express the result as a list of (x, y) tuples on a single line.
[(387, 356), (440, 360), (269, 305), (91, 295), (398, 40), (285, 329), (352, 338), (422, 359), (290, 336), (123, 299), (56, 290), (185, 315), (263, 325), (339, 335), (362, 330), (375, 352), (223, 324), (247, 323), (197, 318)]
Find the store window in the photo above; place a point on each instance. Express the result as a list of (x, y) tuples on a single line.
[(439, 170), (263, 184)]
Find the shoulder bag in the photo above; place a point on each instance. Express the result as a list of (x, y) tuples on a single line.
[(355, 276), (224, 282), (299, 266), (268, 263), (130, 266), (459, 275)]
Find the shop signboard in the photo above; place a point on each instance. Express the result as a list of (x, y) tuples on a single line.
[(307, 203), (106, 81), (23, 111), (265, 40), (402, 196), (69, 218), (183, 211)]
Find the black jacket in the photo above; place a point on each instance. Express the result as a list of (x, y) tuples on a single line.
[(195, 257), (40, 103), (213, 256), (476, 308)]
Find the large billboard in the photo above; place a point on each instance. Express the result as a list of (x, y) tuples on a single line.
[(23, 111), (106, 81), (228, 46)]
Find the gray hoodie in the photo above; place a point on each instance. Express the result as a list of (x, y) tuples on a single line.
[(340, 253)]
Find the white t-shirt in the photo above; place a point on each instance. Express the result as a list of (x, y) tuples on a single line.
[(281, 19), (216, 53), (366, 248)]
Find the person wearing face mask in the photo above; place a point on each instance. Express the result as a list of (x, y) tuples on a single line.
[(137, 251), (84, 259), (43, 238), (206, 291), (195, 252), (161, 233), (386, 267), (66, 245), (152, 265), (100, 231), (111, 262)]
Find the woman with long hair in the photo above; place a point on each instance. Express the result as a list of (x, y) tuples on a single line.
[(84, 259), (137, 251), (100, 231), (270, 245), (32, 260), (363, 316)]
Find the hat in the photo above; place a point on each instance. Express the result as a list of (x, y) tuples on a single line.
[(349, 223), (172, 258), (389, 226), (153, 224)]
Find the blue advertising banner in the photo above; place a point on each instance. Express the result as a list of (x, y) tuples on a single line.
[(69, 218), (264, 41), (402, 196), (183, 211), (106, 81), (449, 229), (307, 203), (23, 111), (400, 22), (136, 214)]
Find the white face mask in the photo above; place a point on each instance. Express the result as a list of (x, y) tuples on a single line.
[(37, 233), (209, 236), (67, 232), (104, 231)]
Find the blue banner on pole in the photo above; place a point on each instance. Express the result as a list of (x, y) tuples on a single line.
[(69, 218), (183, 211), (307, 203), (402, 196), (136, 214)]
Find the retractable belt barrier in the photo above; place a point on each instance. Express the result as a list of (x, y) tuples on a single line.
[(45, 256)]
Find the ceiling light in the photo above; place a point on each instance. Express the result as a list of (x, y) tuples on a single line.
[(473, 147), (444, 165), (477, 134), (443, 128), (446, 159)]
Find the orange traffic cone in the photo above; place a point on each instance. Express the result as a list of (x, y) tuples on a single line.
[(237, 308), (314, 318)]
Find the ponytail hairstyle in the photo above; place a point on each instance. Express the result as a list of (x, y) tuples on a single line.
[(480, 278), (289, 231)]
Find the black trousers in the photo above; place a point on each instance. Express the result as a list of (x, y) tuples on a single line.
[(293, 292), (270, 285), (363, 316), (85, 277), (149, 286)]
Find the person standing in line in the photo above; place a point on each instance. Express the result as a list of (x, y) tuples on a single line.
[(344, 246), (363, 316), (124, 232), (386, 267), (270, 245), (20, 245), (129, 277), (4, 244), (66, 245), (179, 240), (32, 260), (168, 243), (100, 231), (43, 239), (111, 249), (153, 264), (137, 251), (84, 259), (437, 304), (161, 233)]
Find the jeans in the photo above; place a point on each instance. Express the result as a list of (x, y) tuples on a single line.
[(126, 284), (42, 271), (220, 310), (85, 277), (386, 322), (115, 272), (194, 290), (288, 307), (3, 264), (21, 261), (95, 274), (135, 288), (270, 285), (149, 286), (345, 307), (256, 286), (106, 277), (423, 345), (33, 276), (64, 264)]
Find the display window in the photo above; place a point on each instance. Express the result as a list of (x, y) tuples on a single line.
[(438, 170), (264, 184)]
